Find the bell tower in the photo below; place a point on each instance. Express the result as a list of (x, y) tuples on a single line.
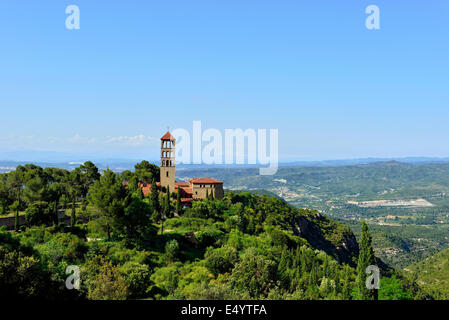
[(167, 173)]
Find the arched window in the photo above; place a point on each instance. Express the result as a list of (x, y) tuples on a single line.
[(163, 163)]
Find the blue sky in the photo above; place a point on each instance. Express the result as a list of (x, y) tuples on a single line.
[(311, 69)]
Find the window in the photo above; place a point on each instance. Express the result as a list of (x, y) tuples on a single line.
[(167, 174), (163, 163)]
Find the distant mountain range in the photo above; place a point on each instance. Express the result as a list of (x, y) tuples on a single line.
[(9, 160)]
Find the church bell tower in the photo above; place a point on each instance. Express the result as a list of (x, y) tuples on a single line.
[(167, 175)]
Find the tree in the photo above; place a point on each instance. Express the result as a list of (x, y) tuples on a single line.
[(16, 182), (133, 185), (73, 190), (242, 221), (254, 274), (154, 201), (178, 202), (110, 197), (366, 258), (392, 289), (220, 260), (126, 175), (167, 206), (5, 199), (40, 212), (207, 194), (172, 250), (22, 277), (146, 172), (137, 277), (88, 175), (105, 281), (135, 220)]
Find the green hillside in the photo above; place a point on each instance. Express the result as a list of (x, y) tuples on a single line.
[(130, 246), (406, 205), (432, 274)]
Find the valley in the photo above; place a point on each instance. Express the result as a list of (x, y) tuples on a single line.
[(406, 205)]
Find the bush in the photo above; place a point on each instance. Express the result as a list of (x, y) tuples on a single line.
[(254, 274), (63, 246), (166, 278), (137, 277), (278, 237), (209, 236), (220, 260), (172, 250)]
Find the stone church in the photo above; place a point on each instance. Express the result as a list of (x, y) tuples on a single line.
[(192, 190)]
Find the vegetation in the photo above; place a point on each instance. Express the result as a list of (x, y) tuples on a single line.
[(244, 246), (402, 234), (432, 274)]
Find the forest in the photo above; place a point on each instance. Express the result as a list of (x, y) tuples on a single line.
[(127, 246)]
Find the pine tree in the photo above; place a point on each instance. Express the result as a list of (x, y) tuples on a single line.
[(366, 258)]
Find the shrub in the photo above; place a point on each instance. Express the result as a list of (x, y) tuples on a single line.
[(209, 236), (137, 277), (220, 260), (172, 250)]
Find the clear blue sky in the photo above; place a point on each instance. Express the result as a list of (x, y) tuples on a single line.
[(308, 68)]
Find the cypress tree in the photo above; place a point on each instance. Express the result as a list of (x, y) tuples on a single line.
[(178, 201), (211, 196), (72, 215), (16, 218), (207, 194), (167, 204), (154, 198), (366, 258)]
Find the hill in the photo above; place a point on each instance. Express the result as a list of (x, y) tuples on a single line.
[(405, 204), (432, 274), (244, 246)]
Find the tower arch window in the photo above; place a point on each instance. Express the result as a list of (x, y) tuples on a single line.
[(163, 163)]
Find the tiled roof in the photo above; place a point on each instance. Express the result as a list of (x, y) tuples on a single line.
[(205, 180), (187, 190), (168, 136), (182, 184)]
